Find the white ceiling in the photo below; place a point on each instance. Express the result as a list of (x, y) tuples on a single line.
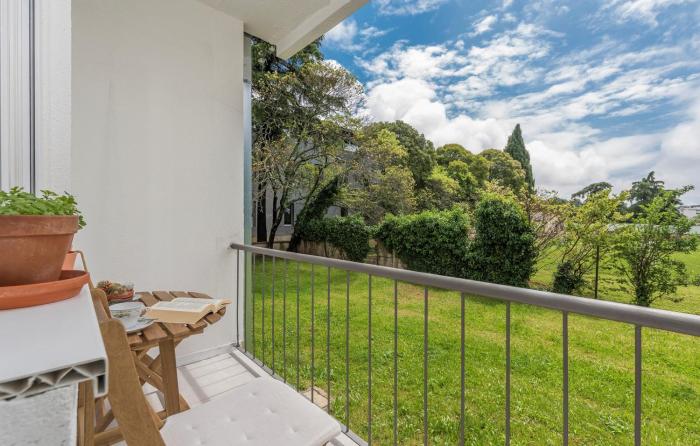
[(288, 24)]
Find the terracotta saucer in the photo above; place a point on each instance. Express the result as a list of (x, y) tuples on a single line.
[(68, 285)]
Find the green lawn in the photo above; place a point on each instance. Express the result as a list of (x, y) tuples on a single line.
[(601, 358)]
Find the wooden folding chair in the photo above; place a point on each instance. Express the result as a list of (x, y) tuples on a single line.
[(262, 412)]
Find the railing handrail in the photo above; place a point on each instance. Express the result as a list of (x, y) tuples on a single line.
[(645, 317)]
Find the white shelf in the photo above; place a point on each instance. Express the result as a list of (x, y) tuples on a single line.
[(50, 346)]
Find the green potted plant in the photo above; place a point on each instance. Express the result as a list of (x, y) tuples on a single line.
[(36, 232)]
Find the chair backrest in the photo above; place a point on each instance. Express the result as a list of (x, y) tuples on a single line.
[(136, 419), (101, 304)]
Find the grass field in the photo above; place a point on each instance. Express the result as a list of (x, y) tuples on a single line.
[(601, 361)]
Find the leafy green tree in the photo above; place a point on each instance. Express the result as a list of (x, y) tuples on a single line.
[(589, 228), (478, 166), (380, 181), (444, 155), (515, 147), (503, 250), (441, 191), (506, 171), (264, 58), (593, 188), (302, 123), (644, 191), (646, 249), (315, 209), (376, 152), (421, 153), (468, 184), (547, 214), (392, 193)]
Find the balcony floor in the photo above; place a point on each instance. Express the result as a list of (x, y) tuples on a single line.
[(213, 377)]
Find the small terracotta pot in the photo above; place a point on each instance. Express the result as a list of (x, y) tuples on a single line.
[(33, 247)]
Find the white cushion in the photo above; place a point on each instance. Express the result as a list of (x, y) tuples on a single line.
[(261, 412)]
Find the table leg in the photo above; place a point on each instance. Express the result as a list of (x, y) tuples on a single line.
[(169, 374)]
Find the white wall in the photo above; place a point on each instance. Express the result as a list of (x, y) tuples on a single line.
[(157, 158)]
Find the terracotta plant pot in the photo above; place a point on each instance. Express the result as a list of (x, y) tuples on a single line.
[(33, 247)]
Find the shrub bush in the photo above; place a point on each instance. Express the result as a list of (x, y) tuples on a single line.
[(503, 250), (432, 241), (348, 234), (567, 279), (696, 280)]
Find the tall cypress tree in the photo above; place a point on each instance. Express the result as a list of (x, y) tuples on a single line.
[(516, 149)]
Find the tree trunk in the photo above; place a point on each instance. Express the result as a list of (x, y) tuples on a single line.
[(278, 208)]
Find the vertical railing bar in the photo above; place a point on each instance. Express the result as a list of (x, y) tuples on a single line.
[(565, 384), (347, 350), (507, 373), (328, 342), (461, 376), (396, 362), (252, 294), (369, 360), (637, 385), (284, 321), (297, 326), (313, 334), (238, 296), (245, 301), (425, 366), (273, 313), (262, 302)]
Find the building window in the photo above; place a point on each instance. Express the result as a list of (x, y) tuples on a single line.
[(343, 211), (289, 215)]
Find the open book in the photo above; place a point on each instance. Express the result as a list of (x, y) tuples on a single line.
[(184, 310)]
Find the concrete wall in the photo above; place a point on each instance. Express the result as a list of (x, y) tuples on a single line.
[(157, 154)]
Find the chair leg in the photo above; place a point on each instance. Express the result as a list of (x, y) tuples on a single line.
[(86, 414)]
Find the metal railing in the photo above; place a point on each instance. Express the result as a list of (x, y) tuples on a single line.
[(639, 317)]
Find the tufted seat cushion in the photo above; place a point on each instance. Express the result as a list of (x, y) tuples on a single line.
[(262, 412)]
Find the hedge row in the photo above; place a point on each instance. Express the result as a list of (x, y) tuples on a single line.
[(348, 234), (433, 241), (498, 248)]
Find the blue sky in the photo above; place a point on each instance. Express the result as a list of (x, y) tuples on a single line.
[(604, 89)]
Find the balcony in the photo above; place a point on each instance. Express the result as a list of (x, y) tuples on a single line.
[(142, 110), (407, 358)]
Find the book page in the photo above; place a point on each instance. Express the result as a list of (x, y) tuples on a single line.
[(183, 304), (216, 303)]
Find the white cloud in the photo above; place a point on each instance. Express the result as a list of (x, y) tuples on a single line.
[(642, 10), (415, 101), (503, 60), (407, 7), (679, 160), (343, 35), (484, 25), (348, 36)]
